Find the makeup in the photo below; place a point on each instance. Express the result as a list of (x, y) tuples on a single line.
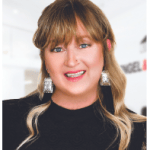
[(75, 76)]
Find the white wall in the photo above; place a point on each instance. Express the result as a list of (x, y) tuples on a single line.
[(13, 82), (19, 54)]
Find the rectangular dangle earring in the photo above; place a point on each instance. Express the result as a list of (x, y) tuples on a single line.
[(48, 85), (104, 80), (106, 90)]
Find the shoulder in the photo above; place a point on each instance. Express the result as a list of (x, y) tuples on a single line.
[(138, 135), (25, 101), (14, 108), (24, 104), (19, 108), (15, 112), (139, 131), (138, 127)]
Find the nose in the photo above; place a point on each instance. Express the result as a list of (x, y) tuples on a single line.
[(71, 57)]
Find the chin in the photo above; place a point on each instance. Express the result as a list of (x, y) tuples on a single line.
[(77, 91)]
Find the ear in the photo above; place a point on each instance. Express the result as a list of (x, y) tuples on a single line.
[(109, 44)]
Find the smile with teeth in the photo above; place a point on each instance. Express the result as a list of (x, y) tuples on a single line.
[(73, 75)]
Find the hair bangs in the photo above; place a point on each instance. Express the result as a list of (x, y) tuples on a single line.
[(66, 25), (59, 24), (89, 20), (63, 27)]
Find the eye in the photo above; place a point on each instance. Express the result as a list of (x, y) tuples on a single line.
[(57, 49), (84, 45)]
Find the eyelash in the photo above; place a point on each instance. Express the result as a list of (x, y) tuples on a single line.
[(85, 44), (54, 50)]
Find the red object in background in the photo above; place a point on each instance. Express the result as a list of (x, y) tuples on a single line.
[(144, 65)]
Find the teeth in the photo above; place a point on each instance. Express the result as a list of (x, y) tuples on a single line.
[(72, 75)]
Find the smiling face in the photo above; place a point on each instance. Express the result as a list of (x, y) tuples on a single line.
[(75, 69)]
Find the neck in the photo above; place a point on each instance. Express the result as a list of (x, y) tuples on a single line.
[(73, 102)]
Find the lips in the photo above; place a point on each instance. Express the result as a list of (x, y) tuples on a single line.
[(74, 75)]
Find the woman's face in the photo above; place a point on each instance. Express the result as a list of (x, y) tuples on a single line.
[(76, 68)]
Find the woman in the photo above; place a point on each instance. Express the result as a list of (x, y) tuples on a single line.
[(79, 103)]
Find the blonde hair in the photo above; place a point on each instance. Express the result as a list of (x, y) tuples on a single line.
[(58, 24)]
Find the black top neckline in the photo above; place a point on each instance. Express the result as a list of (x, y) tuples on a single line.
[(77, 114)]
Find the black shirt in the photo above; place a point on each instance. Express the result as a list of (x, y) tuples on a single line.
[(63, 129)]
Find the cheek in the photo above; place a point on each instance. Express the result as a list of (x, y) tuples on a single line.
[(95, 59), (49, 63)]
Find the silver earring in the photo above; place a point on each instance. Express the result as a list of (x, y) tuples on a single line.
[(104, 80), (48, 85)]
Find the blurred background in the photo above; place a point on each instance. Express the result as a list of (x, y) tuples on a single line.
[(21, 62)]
